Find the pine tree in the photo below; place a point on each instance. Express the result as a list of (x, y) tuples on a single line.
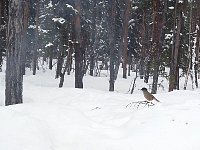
[(15, 51), (112, 14), (157, 40), (78, 47), (3, 25)]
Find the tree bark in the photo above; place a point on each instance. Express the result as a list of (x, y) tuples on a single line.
[(51, 57), (26, 5), (157, 40), (67, 66), (175, 48), (14, 64), (59, 60), (93, 37), (144, 38), (125, 36), (147, 72), (197, 61), (189, 48), (69, 58), (197, 47), (35, 51), (3, 25), (111, 36), (78, 48)]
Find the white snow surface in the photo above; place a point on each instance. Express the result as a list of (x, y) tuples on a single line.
[(92, 118)]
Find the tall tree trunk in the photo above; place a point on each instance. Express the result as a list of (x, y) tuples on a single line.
[(14, 64), (147, 72), (25, 6), (35, 51), (129, 64), (189, 48), (59, 60), (125, 36), (119, 54), (197, 47), (175, 48), (148, 45), (1, 41), (3, 25), (92, 64), (157, 40), (93, 37), (197, 52), (148, 54), (78, 47), (67, 65), (144, 43), (111, 36), (69, 58), (51, 57)]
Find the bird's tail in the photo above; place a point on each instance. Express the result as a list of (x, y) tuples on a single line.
[(156, 99)]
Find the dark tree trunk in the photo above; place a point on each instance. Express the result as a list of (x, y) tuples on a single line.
[(143, 43), (3, 25), (134, 81), (78, 66), (177, 79), (67, 66), (147, 45), (197, 48), (51, 57), (94, 39), (25, 6), (125, 36), (14, 65), (147, 72), (157, 40), (175, 48), (62, 78), (59, 61), (35, 51), (78, 48), (69, 58), (119, 54), (1, 34), (129, 64), (50, 63), (92, 65), (111, 36), (190, 51)]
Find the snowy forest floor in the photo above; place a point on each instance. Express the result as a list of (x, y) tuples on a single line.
[(92, 118)]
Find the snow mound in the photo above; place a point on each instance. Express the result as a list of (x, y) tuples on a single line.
[(75, 119)]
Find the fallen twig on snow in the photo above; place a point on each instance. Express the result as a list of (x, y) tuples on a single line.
[(138, 103)]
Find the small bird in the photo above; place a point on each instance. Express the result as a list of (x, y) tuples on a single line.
[(148, 95)]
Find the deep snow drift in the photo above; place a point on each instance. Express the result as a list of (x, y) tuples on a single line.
[(95, 119)]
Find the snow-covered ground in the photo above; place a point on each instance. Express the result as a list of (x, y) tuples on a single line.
[(53, 118)]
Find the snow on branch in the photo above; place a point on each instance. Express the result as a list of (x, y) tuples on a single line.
[(50, 5), (49, 44), (71, 7), (60, 20)]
